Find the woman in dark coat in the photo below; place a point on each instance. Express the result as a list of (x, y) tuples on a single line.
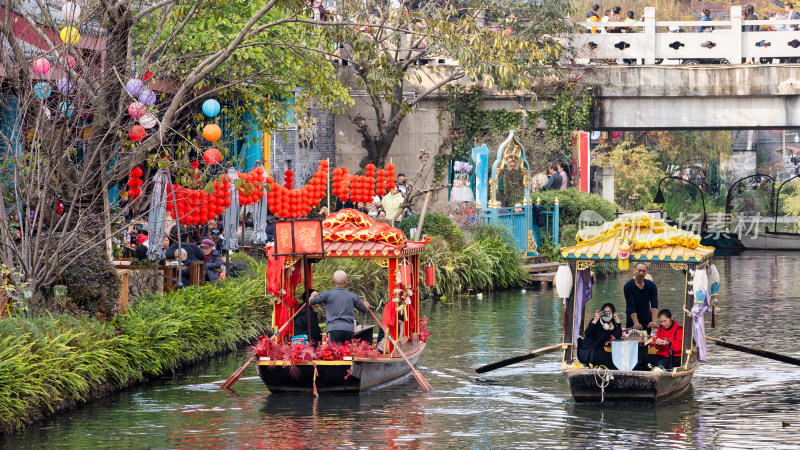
[(604, 326), (213, 262)]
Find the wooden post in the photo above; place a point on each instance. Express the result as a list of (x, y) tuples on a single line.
[(418, 235), (197, 273), (122, 302)]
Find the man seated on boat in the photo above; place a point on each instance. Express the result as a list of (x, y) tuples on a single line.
[(601, 329), (301, 324), (669, 339), (339, 304), (641, 300)]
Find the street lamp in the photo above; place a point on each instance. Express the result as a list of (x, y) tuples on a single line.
[(659, 198)]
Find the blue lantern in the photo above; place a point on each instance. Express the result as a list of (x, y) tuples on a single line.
[(42, 90), (211, 108), (66, 109)]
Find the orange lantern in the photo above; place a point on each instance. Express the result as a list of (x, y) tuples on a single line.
[(212, 132)]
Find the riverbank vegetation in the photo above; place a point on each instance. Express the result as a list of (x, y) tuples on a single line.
[(50, 363)]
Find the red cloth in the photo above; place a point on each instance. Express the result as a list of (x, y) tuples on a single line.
[(389, 318), (281, 317), (673, 335), (274, 273), (295, 278), (141, 239)]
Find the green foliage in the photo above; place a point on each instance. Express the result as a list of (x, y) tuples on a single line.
[(572, 202), (487, 262), (93, 285), (49, 363), (636, 173), (241, 264), (566, 115), (435, 225)]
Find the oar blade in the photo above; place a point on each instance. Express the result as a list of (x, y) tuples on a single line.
[(235, 376), (520, 358)]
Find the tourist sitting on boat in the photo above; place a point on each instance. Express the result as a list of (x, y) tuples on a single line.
[(601, 329), (339, 304), (669, 339), (641, 300), (301, 324)]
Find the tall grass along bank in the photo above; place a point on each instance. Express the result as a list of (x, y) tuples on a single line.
[(51, 363)]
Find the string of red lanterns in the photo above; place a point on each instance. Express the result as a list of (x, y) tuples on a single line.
[(362, 188), (287, 203), (134, 183)]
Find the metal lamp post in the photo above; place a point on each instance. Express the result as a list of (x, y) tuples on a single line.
[(659, 198)]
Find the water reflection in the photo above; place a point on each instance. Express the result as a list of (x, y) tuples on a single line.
[(736, 400)]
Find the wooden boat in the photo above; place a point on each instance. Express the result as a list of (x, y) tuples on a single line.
[(350, 376), (351, 234), (660, 246), (771, 240)]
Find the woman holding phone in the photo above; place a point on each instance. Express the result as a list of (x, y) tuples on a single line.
[(604, 326)]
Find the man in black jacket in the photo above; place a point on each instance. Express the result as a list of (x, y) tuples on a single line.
[(554, 182)]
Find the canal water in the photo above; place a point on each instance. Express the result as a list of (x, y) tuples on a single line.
[(736, 400)]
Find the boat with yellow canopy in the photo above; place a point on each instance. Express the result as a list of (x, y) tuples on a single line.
[(631, 238)]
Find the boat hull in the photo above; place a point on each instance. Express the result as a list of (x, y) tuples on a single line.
[(632, 386), (359, 375), (772, 241)]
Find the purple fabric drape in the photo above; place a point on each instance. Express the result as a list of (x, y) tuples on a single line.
[(583, 293), (698, 322)]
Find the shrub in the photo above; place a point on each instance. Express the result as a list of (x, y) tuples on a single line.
[(435, 225), (93, 285), (572, 202), (240, 264)]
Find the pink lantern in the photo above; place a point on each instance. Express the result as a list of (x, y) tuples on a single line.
[(68, 60), (137, 110), (41, 66)]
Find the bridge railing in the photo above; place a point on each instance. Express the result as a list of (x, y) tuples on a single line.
[(652, 42), (521, 222)]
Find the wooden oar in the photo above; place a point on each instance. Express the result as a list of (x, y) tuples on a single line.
[(418, 376), (235, 376), (520, 358), (756, 351)]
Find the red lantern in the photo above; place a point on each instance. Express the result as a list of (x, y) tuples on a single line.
[(405, 273), (137, 133), (430, 274), (212, 156)]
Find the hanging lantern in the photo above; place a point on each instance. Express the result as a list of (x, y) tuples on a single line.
[(564, 281), (66, 109), (430, 274), (147, 97), (212, 156), (137, 110), (148, 121), (70, 35), (134, 87), (42, 90), (71, 11), (137, 133), (41, 66), (68, 61), (212, 132), (211, 108), (405, 273), (64, 85)]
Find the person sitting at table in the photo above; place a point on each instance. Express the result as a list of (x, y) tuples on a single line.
[(601, 329), (301, 324), (641, 300), (669, 337)]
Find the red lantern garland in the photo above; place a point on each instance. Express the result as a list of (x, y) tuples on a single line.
[(250, 186), (390, 177), (290, 204), (134, 183), (196, 206)]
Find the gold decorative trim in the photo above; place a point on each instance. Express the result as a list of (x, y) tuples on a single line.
[(583, 265), (290, 261), (532, 247), (679, 266), (383, 262)]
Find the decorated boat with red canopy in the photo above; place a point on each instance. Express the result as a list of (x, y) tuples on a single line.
[(363, 364)]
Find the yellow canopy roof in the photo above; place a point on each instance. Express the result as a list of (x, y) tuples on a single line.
[(642, 237)]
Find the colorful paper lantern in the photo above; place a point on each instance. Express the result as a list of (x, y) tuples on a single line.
[(430, 275), (148, 121), (42, 90), (405, 273), (134, 87), (137, 133), (64, 85), (66, 109), (71, 11), (137, 110), (212, 156), (212, 132), (41, 66), (147, 97), (211, 108), (68, 60), (70, 35)]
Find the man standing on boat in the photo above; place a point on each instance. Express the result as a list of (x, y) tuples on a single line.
[(641, 300), (339, 304)]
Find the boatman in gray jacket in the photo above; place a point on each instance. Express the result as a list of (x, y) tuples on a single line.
[(339, 304)]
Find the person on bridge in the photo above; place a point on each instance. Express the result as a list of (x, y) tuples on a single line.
[(592, 16), (706, 17), (339, 304), (554, 182), (641, 300), (791, 14)]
